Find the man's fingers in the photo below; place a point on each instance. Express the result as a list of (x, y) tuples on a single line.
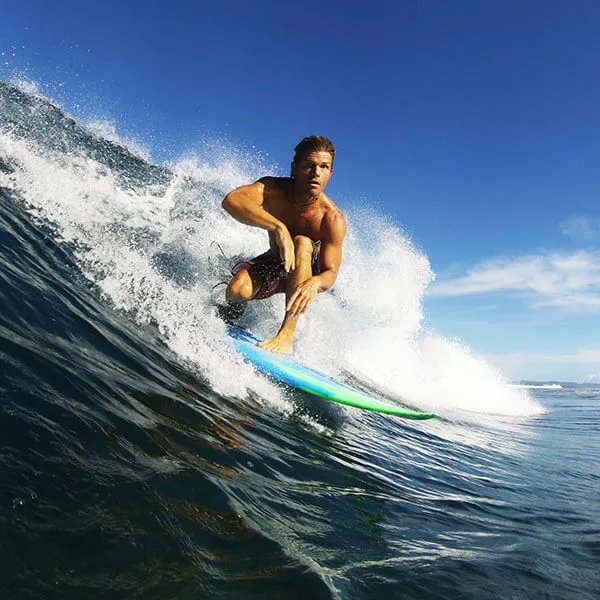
[(299, 302), (286, 250), (288, 258), (292, 301), (294, 304), (292, 255)]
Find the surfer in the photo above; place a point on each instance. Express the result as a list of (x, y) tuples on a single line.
[(306, 230)]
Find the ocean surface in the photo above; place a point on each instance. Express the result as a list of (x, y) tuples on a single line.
[(140, 457)]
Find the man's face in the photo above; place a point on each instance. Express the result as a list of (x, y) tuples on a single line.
[(313, 172)]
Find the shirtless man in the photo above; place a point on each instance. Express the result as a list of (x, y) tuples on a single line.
[(306, 231)]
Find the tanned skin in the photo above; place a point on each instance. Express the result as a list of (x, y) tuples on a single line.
[(295, 211)]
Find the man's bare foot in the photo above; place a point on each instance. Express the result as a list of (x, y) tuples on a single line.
[(280, 343)]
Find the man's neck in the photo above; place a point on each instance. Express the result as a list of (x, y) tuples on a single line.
[(299, 199)]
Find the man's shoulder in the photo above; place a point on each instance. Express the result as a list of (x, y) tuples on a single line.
[(331, 209), (334, 221), (275, 182), (275, 189)]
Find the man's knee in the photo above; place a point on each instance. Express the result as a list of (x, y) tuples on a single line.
[(304, 246), (240, 287)]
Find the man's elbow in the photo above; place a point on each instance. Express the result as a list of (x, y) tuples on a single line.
[(227, 203), (328, 278)]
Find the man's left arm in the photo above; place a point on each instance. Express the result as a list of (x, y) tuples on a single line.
[(329, 262)]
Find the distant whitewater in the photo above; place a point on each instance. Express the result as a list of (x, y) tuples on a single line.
[(155, 242), (538, 386)]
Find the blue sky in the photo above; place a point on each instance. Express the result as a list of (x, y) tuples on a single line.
[(475, 124)]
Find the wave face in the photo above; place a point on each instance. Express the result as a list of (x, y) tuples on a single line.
[(147, 237), (142, 457)]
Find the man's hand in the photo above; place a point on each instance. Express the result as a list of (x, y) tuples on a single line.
[(305, 293), (286, 248)]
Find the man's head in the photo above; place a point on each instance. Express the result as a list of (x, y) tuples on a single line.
[(313, 143), (312, 165)]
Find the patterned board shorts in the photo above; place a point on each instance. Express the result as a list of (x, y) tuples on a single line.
[(268, 267)]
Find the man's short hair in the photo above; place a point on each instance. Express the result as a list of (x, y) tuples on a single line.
[(313, 143)]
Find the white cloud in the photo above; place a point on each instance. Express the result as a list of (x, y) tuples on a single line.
[(547, 367), (557, 279), (581, 228), (591, 300), (582, 356)]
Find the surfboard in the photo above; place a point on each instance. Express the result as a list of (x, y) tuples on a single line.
[(286, 370)]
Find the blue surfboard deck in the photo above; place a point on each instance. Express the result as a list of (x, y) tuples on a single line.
[(286, 370)]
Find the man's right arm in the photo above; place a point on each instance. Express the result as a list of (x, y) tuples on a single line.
[(245, 203)]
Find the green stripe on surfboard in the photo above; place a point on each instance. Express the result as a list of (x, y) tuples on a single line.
[(287, 370)]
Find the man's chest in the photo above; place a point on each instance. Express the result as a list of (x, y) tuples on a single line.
[(302, 222)]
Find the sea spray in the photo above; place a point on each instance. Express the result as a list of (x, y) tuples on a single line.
[(157, 244)]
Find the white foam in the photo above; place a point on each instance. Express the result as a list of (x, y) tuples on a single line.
[(151, 253), (540, 386), (107, 129), (28, 86)]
